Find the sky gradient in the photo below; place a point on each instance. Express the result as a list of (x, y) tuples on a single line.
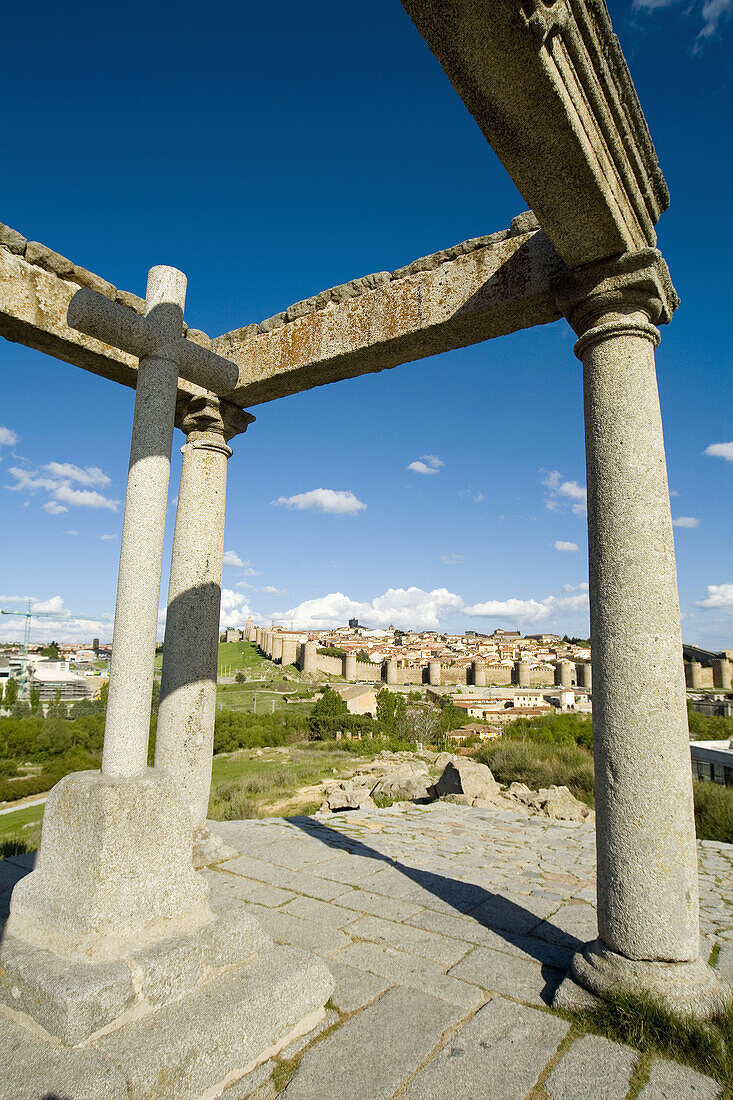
[(271, 153)]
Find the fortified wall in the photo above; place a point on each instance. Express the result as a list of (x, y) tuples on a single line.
[(293, 649)]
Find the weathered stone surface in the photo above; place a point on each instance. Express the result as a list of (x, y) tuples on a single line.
[(593, 1069), (555, 802), (378, 322), (34, 1069), (466, 777), (40, 256), (214, 1030), (82, 277), (345, 1063), (401, 968), (114, 870), (500, 1052), (406, 937), (501, 973), (70, 1000), (354, 988), (12, 240), (670, 1081), (402, 783), (570, 133), (347, 796), (526, 222)]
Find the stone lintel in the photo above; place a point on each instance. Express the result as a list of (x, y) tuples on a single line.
[(477, 291), (549, 87), (36, 286)]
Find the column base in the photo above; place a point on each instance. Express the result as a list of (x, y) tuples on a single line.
[(114, 872), (688, 988), (187, 1032)]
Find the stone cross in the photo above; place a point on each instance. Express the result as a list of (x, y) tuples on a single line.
[(156, 338)]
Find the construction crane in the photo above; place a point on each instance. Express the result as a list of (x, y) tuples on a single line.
[(23, 690)]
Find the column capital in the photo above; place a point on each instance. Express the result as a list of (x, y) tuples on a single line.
[(628, 294), (205, 414)]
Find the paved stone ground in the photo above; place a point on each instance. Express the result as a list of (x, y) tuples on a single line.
[(447, 930)]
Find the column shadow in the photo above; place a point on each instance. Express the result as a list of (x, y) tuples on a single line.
[(507, 919)]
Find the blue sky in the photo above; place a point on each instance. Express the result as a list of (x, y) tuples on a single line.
[(273, 151)]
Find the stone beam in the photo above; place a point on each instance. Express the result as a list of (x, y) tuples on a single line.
[(36, 286), (548, 85), (477, 290)]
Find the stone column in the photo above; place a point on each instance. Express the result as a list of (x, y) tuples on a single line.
[(349, 666), (434, 676), (645, 829), (185, 733)]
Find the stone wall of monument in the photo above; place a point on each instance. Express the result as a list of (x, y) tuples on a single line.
[(498, 675), (367, 670), (332, 666)]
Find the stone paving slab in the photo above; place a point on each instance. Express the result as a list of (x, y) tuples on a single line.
[(374, 1053), (593, 1069), (400, 968), (669, 1081), (527, 980), (499, 1054)]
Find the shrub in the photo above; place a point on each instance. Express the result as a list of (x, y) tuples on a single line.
[(714, 812), (541, 765)]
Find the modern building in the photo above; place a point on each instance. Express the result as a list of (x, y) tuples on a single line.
[(712, 762)]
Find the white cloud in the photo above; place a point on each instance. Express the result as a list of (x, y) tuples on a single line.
[(719, 596), (427, 464), (249, 571), (235, 611), (53, 508), (336, 501), (721, 450), (529, 611), (713, 12), (8, 438), (56, 479), (673, 493), (84, 498), (89, 475), (72, 532), (56, 622), (233, 559), (452, 559), (571, 547), (562, 494), (272, 591), (107, 538), (685, 521), (478, 498), (582, 587), (401, 607), (243, 584)]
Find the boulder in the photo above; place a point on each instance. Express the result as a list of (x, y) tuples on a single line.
[(464, 776), (559, 803), (444, 758), (520, 791), (347, 796), (400, 784)]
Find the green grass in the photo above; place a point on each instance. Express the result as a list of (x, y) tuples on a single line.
[(12, 824), (245, 785), (238, 656), (653, 1029)]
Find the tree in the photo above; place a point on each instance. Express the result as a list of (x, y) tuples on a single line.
[(35, 700), (51, 651), (418, 724), (362, 655), (11, 692), (328, 715), (240, 678), (390, 708)]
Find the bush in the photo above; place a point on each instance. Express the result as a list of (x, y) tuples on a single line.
[(714, 812), (541, 765)]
